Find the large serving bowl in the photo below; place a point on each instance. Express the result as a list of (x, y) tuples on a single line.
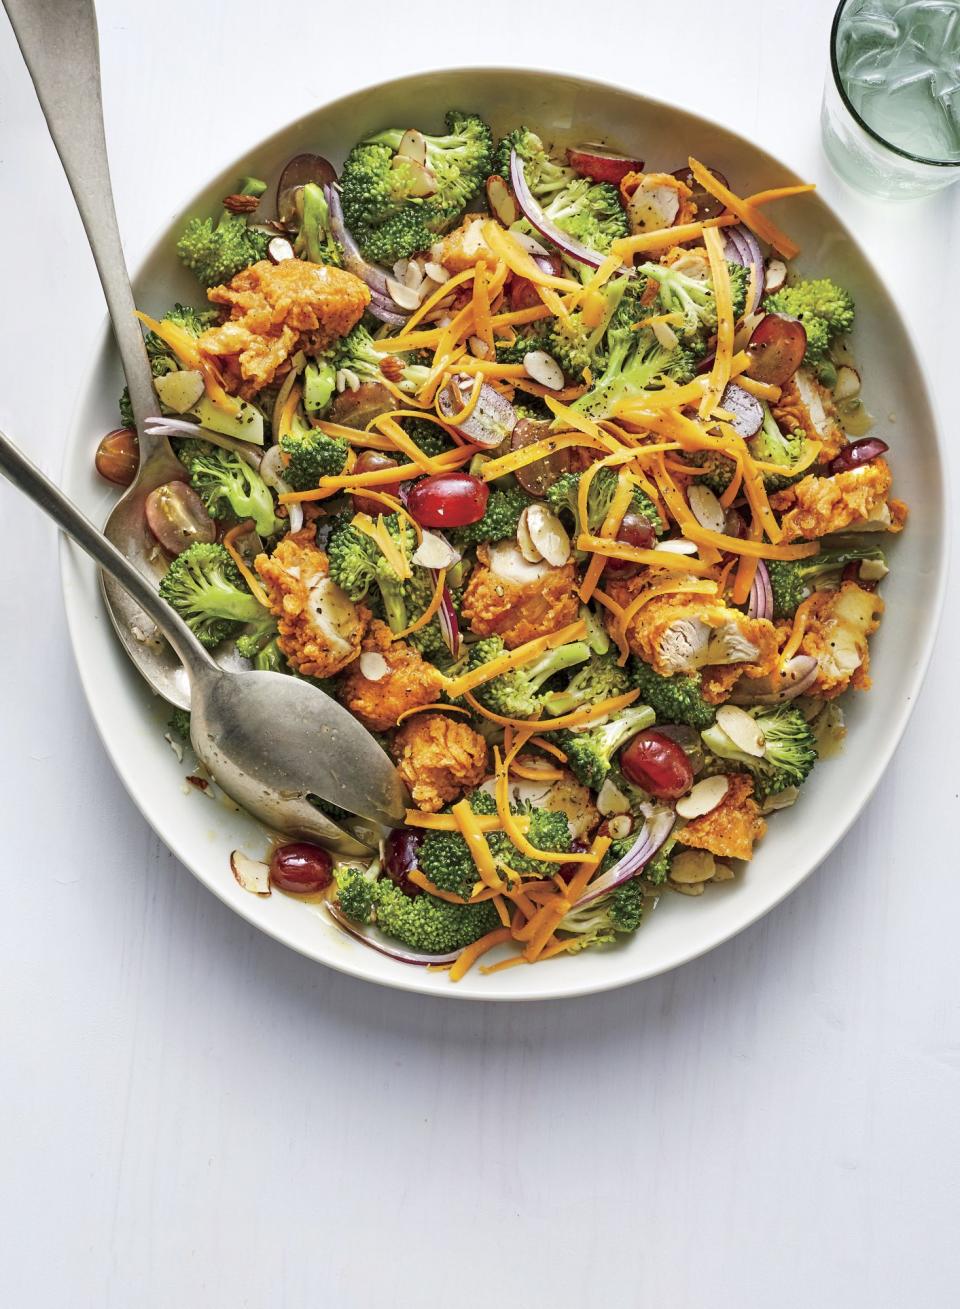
[(202, 832)]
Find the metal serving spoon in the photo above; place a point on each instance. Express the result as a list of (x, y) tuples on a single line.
[(268, 739)]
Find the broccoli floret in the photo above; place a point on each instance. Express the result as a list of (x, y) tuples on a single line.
[(588, 211), (499, 520), (357, 564), (383, 211), (162, 358), (597, 680), (356, 352), (309, 455), (694, 298), (598, 922), (269, 658), (228, 486), (716, 469), (215, 252), (791, 581), (516, 693), (206, 589), (315, 241), (657, 870), (532, 407), (677, 699), (319, 384), (178, 724), (825, 309), (427, 924), (771, 446), (590, 751), (636, 362), (427, 436), (563, 498), (355, 886), (535, 337), (578, 342), (789, 749)]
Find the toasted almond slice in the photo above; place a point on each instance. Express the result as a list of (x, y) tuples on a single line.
[(873, 570), (611, 800), (413, 146), (548, 534), (252, 874), (373, 665), (706, 508), (692, 868), (402, 295), (722, 873), (280, 249), (848, 383), (666, 336), (704, 797), (776, 275), (413, 276), (619, 826), (399, 268), (781, 799), (436, 271), (525, 541), (742, 729), (479, 349), (679, 546), (543, 368), (435, 551), (501, 201), (423, 181)]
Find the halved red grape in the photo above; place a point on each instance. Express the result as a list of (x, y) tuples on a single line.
[(118, 455), (372, 461), (600, 166), (708, 206), (356, 408), (858, 453), (538, 477), (634, 530), (301, 868), (453, 499), (776, 349), (297, 172), (176, 516), (657, 765), (746, 409), (401, 852)]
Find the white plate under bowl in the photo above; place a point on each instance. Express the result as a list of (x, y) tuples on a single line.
[(563, 109)]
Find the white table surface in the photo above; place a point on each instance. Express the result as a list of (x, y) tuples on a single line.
[(193, 1115)]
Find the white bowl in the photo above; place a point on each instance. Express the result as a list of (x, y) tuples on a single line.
[(565, 109)]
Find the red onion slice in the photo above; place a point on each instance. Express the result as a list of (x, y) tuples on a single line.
[(376, 942), (493, 417), (447, 618), (655, 832), (375, 276), (741, 247), (535, 215), (761, 594)]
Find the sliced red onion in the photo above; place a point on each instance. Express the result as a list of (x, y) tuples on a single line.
[(655, 831), (746, 409), (447, 617), (374, 275), (386, 311), (535, 215), (163, 425), (493, 417), (740, 247), (380, 943), (761, 594), (798, 675)]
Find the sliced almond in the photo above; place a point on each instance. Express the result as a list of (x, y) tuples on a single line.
[(666, 336), (847, 384), (501, 201), (436, 272), (180, 390), (530, 243), (678, 546), (413, 277), (775, 277), (399, 268), (413, 146), (547, 534), (692, 867), (619, 826), (525, 540), (280, 249), (402, 295), (722, 873), (543, 368), (423, 182), (610, 800), (781, 799), (872, 570), (252, 874), (479, 349), (435, 551), (373, 665), (703, 798), (742, 729), (706, 508)]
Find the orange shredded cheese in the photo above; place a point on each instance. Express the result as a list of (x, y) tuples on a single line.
[(468, 957), (477, 844), (437, 706), (720, 273), (637, 555), (608, 530), (523, 654), (185, 347), (247, 573), (431, 609), (746, 212), (798, 630), (779, 193), (506, 247), (628, 246), (463, 414), (447, 822)]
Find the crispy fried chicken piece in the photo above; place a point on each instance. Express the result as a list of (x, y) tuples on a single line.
[(839, 624), (856, 500), (730, 830), (464, 247), (805, 403), (438, 757), (718, 680), (276, 310), (681, 632), (516, 600), (409, 681), (630, 183), (320, 629)]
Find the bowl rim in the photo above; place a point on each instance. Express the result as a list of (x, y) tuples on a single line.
[(406, 978)]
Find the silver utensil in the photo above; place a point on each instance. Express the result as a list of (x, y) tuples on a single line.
[(58, 40), (268, 739)]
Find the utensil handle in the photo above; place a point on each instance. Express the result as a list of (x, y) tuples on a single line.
[(28, 478), (58, 40)]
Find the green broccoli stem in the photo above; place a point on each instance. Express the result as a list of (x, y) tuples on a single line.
[(554, 661)]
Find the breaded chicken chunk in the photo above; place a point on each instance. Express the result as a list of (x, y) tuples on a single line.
[(839, 624), (406, 682), (319, 628), (806, 404), (438, 757), (635, 186), (856, 500), (516, 600), (730, 830), (682, 632), (276, 310), (464, 247)]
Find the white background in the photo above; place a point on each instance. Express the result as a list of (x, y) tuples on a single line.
[(192, 1115)]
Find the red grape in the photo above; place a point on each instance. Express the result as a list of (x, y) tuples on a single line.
[(448, 500), (657, 765), (708, 206), (858, 453), (372, 461), (301, 868), (118, 455), (176, 516), (599, 166), (356, 408), (634, 530), (776, 349), (401, 855), (538, 477)]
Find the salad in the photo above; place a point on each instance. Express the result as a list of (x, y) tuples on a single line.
[(553, 471)]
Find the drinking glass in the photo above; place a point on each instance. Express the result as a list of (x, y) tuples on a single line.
[(891, 104)]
